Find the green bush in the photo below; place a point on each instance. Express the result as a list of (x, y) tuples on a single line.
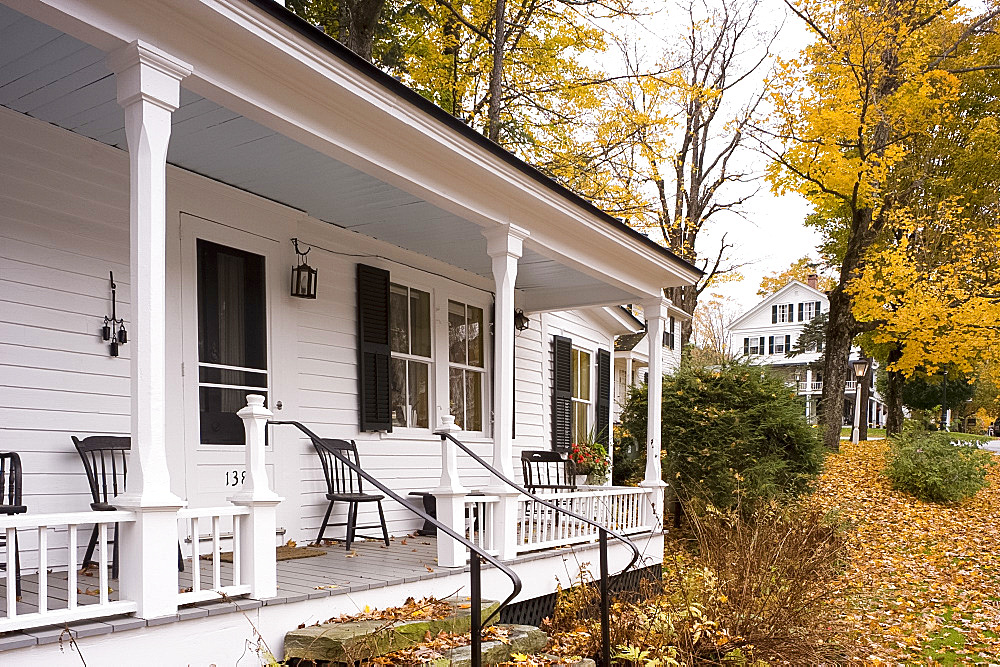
[(731, 433), (936, 467)]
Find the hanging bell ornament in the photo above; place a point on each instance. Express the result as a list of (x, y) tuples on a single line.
[(122, 335)]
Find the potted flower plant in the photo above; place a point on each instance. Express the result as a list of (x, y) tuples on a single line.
[(591, 459)]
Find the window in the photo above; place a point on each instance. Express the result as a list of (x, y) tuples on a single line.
[(669, 338), (779, 344), (808, 310), (580, 374), (467, 367), (410, 344), (786, 312), (752, 346)]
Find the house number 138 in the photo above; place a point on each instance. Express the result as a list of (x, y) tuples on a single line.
[(235, 477)]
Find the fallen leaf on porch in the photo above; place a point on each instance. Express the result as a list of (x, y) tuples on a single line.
[(429, 568), (425, 543), (413, 550), (186, 590), (403, 541), (96, 591), (382, 546), (326, 587), (464, 606), (290, 543), (352, 553)]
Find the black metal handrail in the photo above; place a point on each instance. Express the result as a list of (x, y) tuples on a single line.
[(475, 552), (603, 532)]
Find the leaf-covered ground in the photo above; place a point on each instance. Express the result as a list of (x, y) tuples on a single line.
[(926, 578)]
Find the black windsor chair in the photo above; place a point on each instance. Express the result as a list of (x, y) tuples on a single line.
[(344, 485), (547, 469), (10, 503)]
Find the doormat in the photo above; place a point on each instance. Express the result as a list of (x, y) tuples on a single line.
[(284, 552)]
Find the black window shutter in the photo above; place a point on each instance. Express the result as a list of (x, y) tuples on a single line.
[(801, 310), (746, 347), (602, 407), (818, 305), (562, 393), (774, 314), (761, 348), (770, 344), (788, 342), (373, 349)]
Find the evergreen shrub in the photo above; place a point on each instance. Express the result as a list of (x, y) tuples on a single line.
[(936, 467), (732, 434)]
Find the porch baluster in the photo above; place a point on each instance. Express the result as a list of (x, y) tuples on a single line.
[(450, 496)]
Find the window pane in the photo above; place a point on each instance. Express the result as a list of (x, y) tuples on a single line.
[(475, 336), (474, 401), (456, 332), (575, 372), (399, 336), (397, 395), (232, 324), (584, 376), (581, 426), (456, 395), (219, 423), (420, 323), (418, 395)]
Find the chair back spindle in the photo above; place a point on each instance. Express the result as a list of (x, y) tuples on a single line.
[(340, 478), (10, 484), (105, 460), (545, 469)]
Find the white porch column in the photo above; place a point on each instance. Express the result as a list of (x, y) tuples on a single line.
[(505, 246), (148, 83), (257, 553), (450, 499), (655, 311)]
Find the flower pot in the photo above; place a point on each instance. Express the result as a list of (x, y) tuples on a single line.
[(581, 480)]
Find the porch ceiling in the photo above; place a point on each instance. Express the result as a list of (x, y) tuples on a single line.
[(57, 78)]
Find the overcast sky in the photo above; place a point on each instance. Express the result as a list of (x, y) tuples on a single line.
[(770, 235)]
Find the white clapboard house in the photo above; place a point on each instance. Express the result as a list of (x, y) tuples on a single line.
[(766, 332), (181, 147)]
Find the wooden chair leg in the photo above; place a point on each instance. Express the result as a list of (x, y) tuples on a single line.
[(352, 521), (87, 558), (381, 516), (180, 558), (114, 556), (322, 526), (17, 567)]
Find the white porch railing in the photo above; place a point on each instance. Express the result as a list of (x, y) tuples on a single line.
[(76, 609), (622, 509), (480, 516), (192, 523)]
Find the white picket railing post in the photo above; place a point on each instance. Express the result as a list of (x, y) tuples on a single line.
[(257, 547), (450, 498)]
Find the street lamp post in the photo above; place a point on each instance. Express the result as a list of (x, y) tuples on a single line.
[(944, 403), (860, 367)]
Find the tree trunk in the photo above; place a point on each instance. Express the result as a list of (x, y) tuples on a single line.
[(496, 73), (894, 395), (838, 350), (864, 385), (358, 20)]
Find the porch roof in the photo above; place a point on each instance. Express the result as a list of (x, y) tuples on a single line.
[(278, 109)]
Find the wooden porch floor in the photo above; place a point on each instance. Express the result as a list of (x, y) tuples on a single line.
[(369, 564)]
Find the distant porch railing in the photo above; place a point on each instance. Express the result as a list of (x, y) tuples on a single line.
[(621, 509)]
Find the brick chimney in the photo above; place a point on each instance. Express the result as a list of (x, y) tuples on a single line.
[(812, 280)]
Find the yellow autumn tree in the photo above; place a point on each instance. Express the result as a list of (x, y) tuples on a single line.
[(800, 270), (878, 81)]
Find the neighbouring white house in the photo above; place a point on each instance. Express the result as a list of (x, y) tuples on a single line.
[(632, 353), (766, 332), (189, 149)]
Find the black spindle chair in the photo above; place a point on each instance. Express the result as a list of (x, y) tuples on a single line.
[(344, 485), (105, 460), (547, 469), (10, 503)]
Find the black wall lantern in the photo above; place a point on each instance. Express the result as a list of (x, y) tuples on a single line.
[(521, 321), (303, 275), (114, 328)]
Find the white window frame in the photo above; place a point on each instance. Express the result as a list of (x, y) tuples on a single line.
[(779, 344), (575, 380), (808, 311), (786, 313), (467, 368), (755, 347), (408, 357)]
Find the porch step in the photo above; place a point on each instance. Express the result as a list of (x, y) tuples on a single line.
[(354, 641)]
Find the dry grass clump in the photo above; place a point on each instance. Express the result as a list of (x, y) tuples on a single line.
[(743, 589)]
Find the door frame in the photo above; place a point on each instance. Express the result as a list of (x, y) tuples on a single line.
[(192, 228)]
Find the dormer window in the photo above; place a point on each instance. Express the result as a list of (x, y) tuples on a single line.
[(808, 310)]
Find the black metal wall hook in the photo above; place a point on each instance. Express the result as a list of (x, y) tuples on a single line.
[(114, 328)]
